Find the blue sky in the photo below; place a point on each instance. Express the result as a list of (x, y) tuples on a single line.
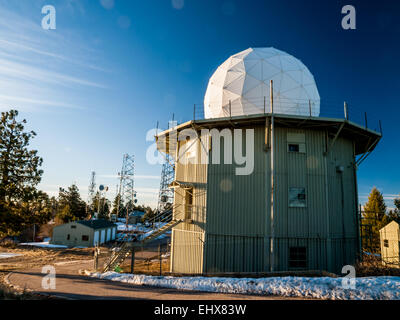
[(93, 87)]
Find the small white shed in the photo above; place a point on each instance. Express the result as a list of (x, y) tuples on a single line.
[(390, 243)]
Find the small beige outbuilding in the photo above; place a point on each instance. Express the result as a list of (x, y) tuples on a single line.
[(84, 233), (390, 242)]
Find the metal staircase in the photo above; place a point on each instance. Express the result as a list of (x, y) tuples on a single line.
[(122, 251), (118, 256)]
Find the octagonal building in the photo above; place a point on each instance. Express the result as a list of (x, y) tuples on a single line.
[(262, 189)]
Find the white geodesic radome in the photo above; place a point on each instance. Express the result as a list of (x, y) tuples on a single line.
[(241, 85)]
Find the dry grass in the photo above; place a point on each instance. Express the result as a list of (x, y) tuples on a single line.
[(31, 257), (148, 267), (372, 266)]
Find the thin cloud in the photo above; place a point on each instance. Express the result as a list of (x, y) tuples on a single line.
[(28, 73), (13, 99), (37, 68)]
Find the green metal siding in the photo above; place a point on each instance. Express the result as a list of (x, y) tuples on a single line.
[(235, 210), (60, 235), (187, 251), (236, 217), (185, 256)]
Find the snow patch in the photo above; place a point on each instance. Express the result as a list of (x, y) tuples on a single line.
[(42, 245), (371, 288), (5, 255)]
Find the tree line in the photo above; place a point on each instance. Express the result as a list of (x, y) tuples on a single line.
[(375, 215), (22, 205)]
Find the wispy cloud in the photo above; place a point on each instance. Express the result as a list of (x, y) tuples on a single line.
[(40, 66), (8, 100)]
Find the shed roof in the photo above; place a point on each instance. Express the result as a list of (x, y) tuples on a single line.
[(97, 224), (395, 221), (137, 213)]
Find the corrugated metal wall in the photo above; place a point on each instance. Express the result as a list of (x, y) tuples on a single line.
[(237, 214), (195, 174), (187, 251), (237, 228)]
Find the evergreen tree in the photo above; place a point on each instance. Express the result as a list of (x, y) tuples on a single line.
[(70, 205), (375, 218), (118, 204), (20, 173), (395, 214), (149, 214), (101, 206)]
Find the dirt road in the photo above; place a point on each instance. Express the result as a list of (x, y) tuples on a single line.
[(69, 284)]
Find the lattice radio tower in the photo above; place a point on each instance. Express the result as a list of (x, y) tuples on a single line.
[(166, 194), (127, 193), (92, 188)]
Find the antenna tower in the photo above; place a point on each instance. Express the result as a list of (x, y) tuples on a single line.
[(127, 193), (92, 188), (166, 194)]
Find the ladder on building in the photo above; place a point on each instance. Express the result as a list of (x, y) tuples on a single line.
[(121, 252)]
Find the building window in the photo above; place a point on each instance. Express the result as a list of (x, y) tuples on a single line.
[(293, 147), (68, 237), (297, 197), (85, 238), (188, 203), (298, 257), (386, 243), (296, 142)]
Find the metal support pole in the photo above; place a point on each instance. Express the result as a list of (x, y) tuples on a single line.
[(230, 109), (380, 127), (133, 260), (309, 107), (264, 104), (361, 232), (346, 114), (159, 255), (272, 231), (366, 120), (194, 112), (96, 257)]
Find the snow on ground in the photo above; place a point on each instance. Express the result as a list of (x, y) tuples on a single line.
[(42, 245), (132, 227), (46, 244), (63, 263), (147, 231), (5, 255), (371, 288)]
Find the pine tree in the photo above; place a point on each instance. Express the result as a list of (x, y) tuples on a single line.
[(395, 214), (101, 205), (375, 218), (20, 173), (118, 206), (71, 206)]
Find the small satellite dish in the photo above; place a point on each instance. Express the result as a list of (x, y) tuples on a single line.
[(101, 187)]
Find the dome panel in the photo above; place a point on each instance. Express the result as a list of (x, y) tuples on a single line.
[(244, 79)]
